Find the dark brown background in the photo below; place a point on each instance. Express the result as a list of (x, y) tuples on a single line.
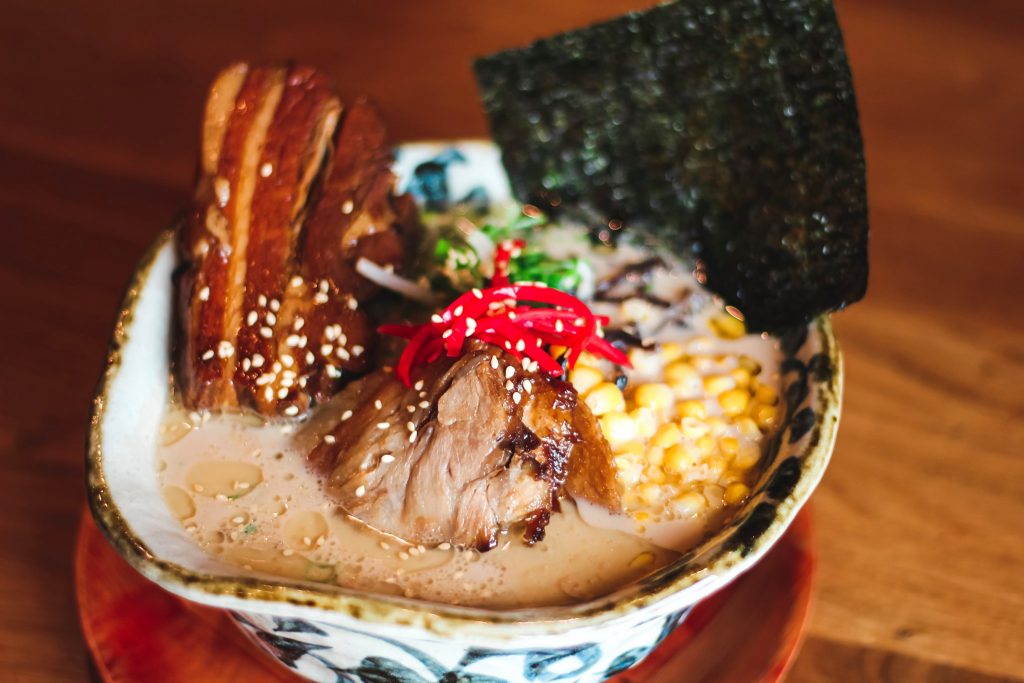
[(921, 517)]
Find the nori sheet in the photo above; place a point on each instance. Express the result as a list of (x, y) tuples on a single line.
[(723, 128)]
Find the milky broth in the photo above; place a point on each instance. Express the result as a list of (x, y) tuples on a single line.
[(242, 489)]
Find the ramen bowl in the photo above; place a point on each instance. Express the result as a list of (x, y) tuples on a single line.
[(330, 633)]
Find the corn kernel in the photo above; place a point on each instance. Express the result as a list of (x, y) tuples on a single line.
[(730, 476), (654, 474), (715, 466), (691, 408), (646, 422), (766, 416), (645, 362), (747, 427), (726, 326), (729, 445), (655, 455), (703, 364), (650, 493), (605, 398), (585, 378), (717, 384), (749, 364), (706, 445), (618, 428), (714, 494), (671, 351), (717, 425), (587, 358), (633, 449), (741, 377), (746, 457), (628, 471), (734, 401), (736, 492), (644, 558), (679, 371), (680, 457), (693, 428), (557, 350), (657, 397), (700, 345), (667, 435), (767, 395), (641, 516), (689, 504)]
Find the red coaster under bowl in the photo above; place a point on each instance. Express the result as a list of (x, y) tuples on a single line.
[(749, 632)]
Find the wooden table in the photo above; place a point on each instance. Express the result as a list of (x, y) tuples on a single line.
[(921, 517)]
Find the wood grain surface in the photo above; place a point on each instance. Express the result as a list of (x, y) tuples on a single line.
[(920, 519)]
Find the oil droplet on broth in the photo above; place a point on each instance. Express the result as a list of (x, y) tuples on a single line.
[(179, 502), (304, 529), (229, 478)]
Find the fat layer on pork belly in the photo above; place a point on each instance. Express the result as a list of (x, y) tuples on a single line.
[(465, 453), (293, 189)]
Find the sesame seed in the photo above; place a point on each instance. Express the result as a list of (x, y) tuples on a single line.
[(331, 332), (266, 332), (257, 360), (516, 397), (422, 394), (266, 169), (306, 540), (403, 555), (329, 438), (418, 386), (342, 354), (508, 345), (436, 319), (302, 382), (275, 305), (360, 492), (446, 334), (325, 349), (323, 285), (204, 294), (246, 364), (262, 300), (520, 345), (342, 339), (559, 326), (527, 385), (292, 341), (458, 310), (412, 437), (494, 362), (251, 318), (225, 349), (377, 404), (445, 546), (509, 386), (347, 206), (477, 293), (411, 426), (346, 415), (411, 409), (383, 425), (310, 358), (296, 281), (287, 552), (208, 354), (287, 360), (579, 322), (320, 298), (357, 350), (238, 519), (387, 458), (271, 319), (510, 372), (198, 488), (332, 371), (264, 379), (291, 410), (352, 303), (222, 189), (282, 392), (424, 404)]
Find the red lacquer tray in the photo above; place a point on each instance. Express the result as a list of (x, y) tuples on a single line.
[(747, 633)]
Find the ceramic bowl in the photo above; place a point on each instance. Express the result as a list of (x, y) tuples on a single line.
[(335, 634)]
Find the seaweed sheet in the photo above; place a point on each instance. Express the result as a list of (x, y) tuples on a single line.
[(725, 128)]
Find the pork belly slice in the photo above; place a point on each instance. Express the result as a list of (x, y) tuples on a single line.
[(464, 454), (269, 315)]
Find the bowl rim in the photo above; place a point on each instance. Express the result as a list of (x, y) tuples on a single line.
[(649, 599)]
